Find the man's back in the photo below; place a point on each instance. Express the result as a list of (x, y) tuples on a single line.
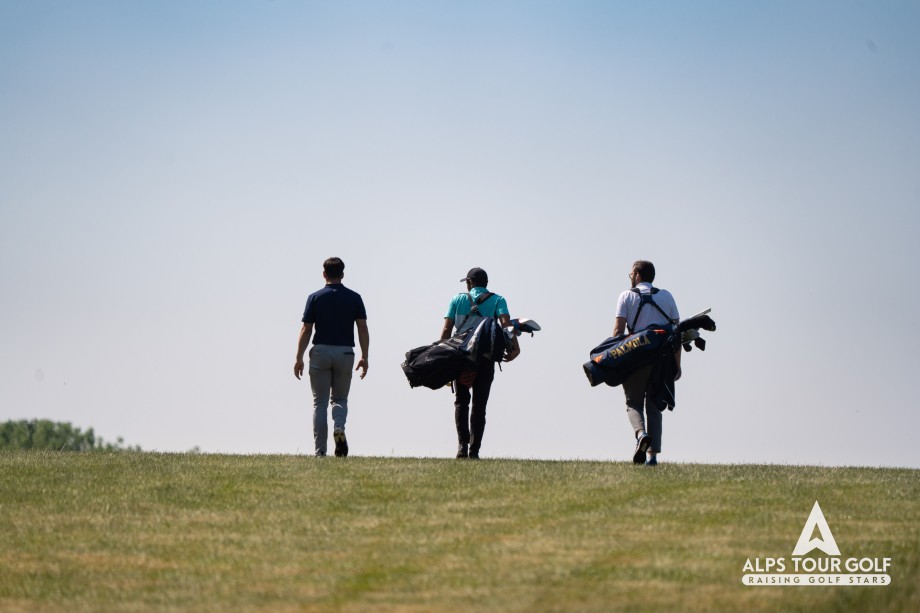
[(461, 305), (629, 302), (333, 310)]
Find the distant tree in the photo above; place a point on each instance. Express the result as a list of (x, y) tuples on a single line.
[(57, 436)]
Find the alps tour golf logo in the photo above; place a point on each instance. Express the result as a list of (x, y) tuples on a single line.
[(830, 569)]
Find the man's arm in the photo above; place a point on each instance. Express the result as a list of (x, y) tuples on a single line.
[(364, 340), (619, 326), (305, 333), (515, 349), (446, 331)]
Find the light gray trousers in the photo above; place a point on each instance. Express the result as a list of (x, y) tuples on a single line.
[(643, 414), (330, 378)]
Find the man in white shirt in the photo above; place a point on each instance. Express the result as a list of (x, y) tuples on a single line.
[(645, 415)]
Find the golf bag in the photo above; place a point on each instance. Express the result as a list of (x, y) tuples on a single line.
[(616, 358), (434, 365), (439, 363)]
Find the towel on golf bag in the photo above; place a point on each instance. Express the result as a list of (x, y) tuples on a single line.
[(441, 362), (617, 357)]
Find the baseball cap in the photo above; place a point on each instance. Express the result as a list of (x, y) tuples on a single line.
[(478, 276)]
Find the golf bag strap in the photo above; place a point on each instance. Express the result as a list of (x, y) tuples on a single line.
[(643, 300), (474, 309), (474, 304)]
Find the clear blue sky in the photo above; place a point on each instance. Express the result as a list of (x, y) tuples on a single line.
[(173, 174)]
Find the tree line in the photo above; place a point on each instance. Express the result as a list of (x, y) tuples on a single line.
[(56, 436)]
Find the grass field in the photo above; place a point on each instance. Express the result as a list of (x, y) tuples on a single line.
[(141, 531)]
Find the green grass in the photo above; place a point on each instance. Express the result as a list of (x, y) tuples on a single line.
[(137, 531)]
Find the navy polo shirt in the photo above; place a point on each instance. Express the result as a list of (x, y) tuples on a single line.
[(333, 311)]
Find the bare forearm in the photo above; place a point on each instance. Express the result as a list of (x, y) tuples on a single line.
[(515, 349), (364, 340), (304, 341)]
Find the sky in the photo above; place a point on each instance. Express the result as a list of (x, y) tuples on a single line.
[(173, 174)]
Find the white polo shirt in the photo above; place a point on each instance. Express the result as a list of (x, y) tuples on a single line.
[(628, 304)]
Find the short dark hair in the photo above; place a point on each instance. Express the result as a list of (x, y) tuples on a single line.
[(334, 268), (645, 269)]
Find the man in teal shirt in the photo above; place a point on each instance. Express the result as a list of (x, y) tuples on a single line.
[(471, 426)]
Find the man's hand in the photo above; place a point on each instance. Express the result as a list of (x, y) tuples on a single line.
[(362, 364), (298, 368)]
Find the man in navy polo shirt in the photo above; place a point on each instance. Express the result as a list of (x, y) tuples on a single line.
[(333, 311)]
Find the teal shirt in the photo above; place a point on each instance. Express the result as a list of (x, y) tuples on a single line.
[(459, 308)]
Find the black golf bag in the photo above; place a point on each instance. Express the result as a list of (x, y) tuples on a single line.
[(441, 362)]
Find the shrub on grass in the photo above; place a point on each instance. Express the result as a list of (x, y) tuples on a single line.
[(50, 435)]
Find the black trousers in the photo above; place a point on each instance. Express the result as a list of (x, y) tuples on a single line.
[(475, 421)]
